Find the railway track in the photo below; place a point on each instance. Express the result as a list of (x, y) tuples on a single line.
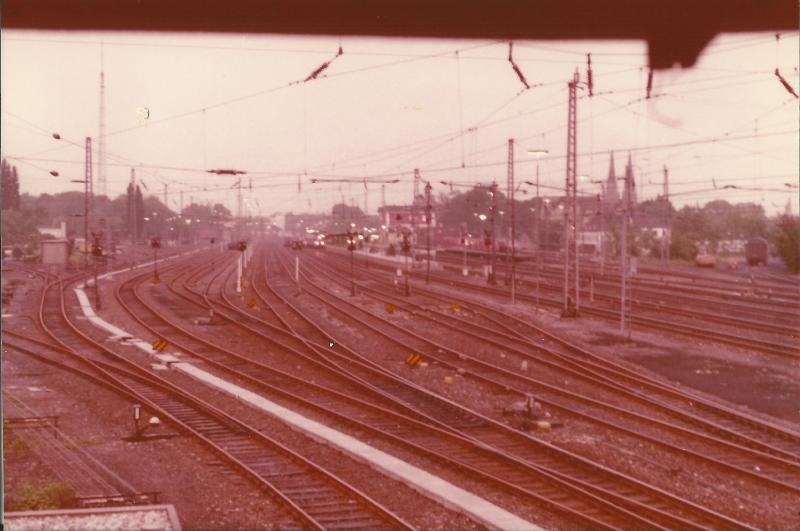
[(92, 483), (739, 293), (719, 420), (313, 497), (710, 282), (532, 458), (782, 472), (372, 415), (530, 455), (734, 311), (781, 349)]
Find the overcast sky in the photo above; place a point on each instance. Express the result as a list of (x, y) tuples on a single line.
[(177, 105)]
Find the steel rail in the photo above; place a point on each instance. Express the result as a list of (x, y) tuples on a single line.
[(558, 461), (298, 484), (768, 437), (779, 470)]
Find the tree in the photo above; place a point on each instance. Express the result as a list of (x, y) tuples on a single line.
[(19, 227), (130, 210), (10, 186), (221, 213), (786, 236), (140, 213)]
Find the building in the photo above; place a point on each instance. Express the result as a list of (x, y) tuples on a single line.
[(395, 217), (59, 232), (55, 252)]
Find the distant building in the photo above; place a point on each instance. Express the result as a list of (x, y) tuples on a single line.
[(55, 252), (59, 232), (296, 224), (404, 216)]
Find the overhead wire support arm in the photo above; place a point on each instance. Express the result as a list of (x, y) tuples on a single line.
[(785, 83), (324, 66), (226, 172), (515, 67)]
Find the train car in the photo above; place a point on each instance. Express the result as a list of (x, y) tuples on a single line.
[(755, 251)]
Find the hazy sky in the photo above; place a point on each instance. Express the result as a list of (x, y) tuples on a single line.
[(387, 106)]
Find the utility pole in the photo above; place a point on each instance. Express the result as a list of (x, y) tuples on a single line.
[(624, 315), (366, 199), (428, 238), (87, 198), (383, 195), (132, 207), (417, 179), (539, 247), (511, 208), (666, 239), (101, 141), (492, 210), (571, 289)]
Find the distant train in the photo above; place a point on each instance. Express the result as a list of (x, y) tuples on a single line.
[(755, 251)]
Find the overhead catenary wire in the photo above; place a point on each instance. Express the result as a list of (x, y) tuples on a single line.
[(462, 133)]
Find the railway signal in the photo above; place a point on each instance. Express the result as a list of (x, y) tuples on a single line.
[(155, 243), (241, 246), (97, 252), (405, 246)]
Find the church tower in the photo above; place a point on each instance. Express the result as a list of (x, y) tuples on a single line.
[(610, 193), (630, 178)]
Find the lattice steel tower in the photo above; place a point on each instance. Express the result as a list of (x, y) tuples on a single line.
[(571, 303), (101, 137)]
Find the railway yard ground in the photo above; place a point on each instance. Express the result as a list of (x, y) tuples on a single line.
[(476, 412)]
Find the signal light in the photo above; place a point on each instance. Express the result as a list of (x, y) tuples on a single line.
[(155, 242)]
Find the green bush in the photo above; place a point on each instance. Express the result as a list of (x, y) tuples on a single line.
[(787, 241), (33, 497)]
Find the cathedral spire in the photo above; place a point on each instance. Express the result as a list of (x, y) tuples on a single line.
[(610, 193), (629, 177)]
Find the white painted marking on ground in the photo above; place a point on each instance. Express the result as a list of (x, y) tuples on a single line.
[(444, 492)]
